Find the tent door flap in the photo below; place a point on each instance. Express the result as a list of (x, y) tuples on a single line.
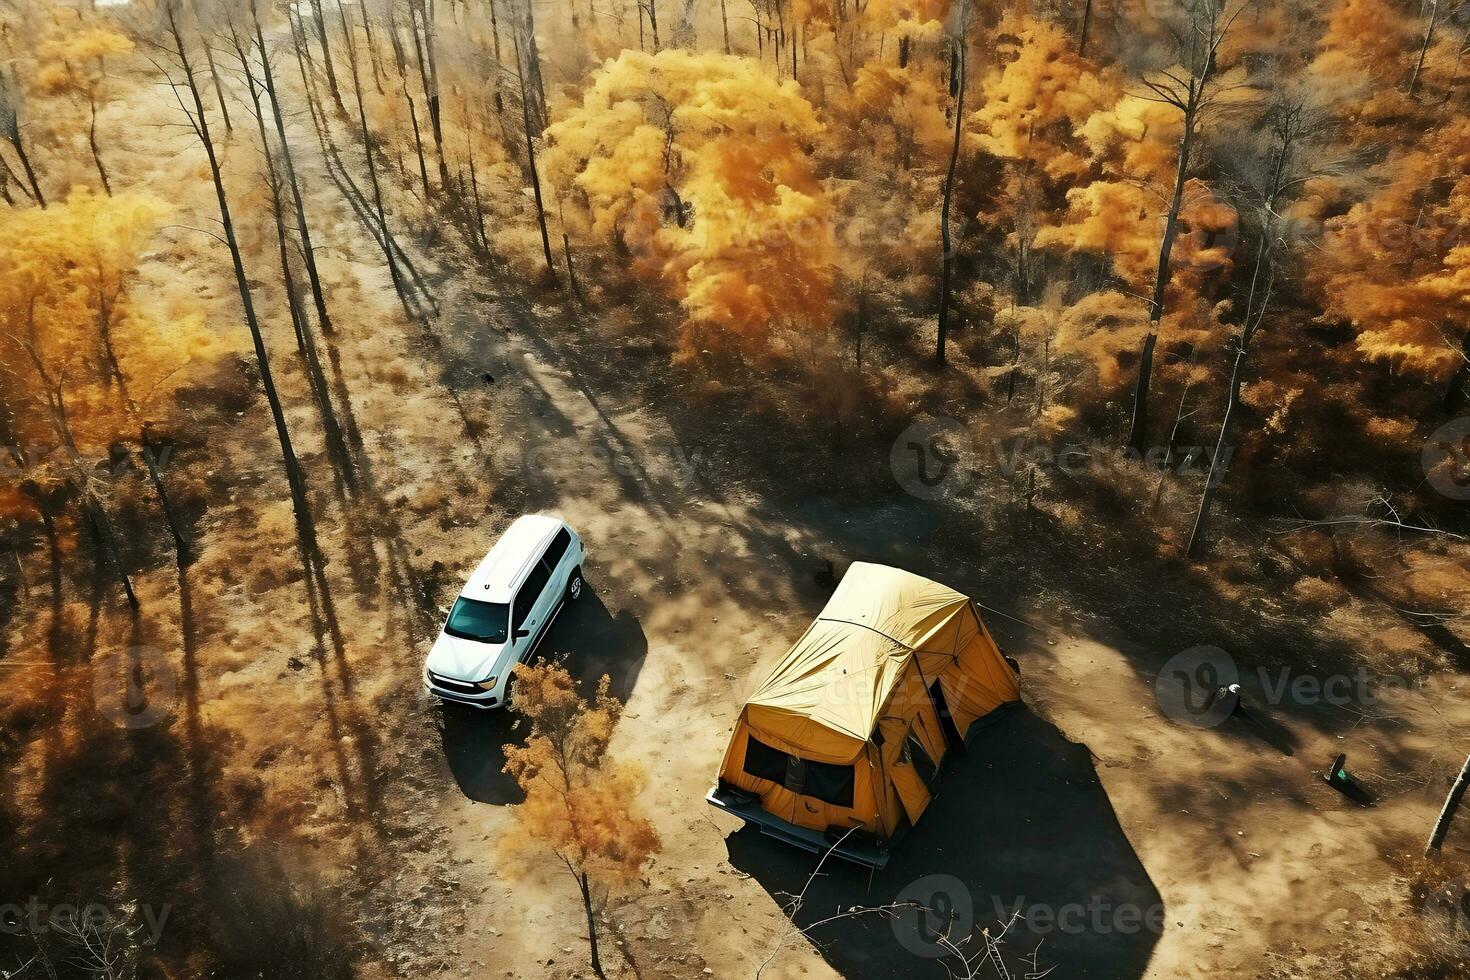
[(911, 790)]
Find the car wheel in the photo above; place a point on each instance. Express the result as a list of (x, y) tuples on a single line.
[(575, 585), (510, 689)]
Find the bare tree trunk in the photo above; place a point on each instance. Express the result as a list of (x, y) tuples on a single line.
[(219, 89), (305, 345), (1442, 825), (25, 164), (529, 55), (725, 25), (1424, 48), (431, 89), (566, 245), (92, 142), (1254, 313), (372, 169), (372, 47), (107, 541), (531, 159), (418, 146), (583, 884), (1086, 23), (321, 33), (201, 129), (151, 460), (494, 28), (1137, 431), (475, 202), (652, 7), (947, 257), (308, 252)]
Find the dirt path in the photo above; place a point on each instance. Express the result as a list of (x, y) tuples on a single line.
[(1159, 849), (1222, 842)]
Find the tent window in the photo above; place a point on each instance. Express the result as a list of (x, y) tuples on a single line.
[(819, 780), (829, 783), (915, 754), (764, 762)]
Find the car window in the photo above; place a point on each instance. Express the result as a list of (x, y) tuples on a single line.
[(557, 548), (530, 592), (471, 619)]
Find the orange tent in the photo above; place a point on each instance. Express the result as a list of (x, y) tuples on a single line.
[(846, 733)]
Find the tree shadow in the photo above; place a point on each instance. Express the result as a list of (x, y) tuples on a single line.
[(593, 642), (1019, 822)]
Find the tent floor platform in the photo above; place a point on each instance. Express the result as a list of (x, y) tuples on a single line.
[(866, 852)]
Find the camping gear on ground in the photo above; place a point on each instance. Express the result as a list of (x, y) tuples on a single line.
[(1345, 783), (844, 738)]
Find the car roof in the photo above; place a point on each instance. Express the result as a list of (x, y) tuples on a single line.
[(499, 572)]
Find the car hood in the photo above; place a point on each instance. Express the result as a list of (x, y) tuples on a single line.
[(466, 660)]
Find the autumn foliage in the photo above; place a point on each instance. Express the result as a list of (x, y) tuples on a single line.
[(580, 804)]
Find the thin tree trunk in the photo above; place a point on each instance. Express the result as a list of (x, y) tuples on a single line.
[(592, 922), (494, 28), (25, 165), (372, 46), (308, 252), (288, 453), (725, 25), (305, 345), (1424, 48), (528, 54), (535, 178), (418, 146), (1137, 431), (566, 244), (1086, 23), (151, 460), (321, 33), (1442, 825), (372, 169), (92, 142), (107, 541), (426, 11), (1254, 314), (947, 257), (219, 89)]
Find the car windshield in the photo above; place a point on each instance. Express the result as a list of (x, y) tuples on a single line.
[(471, 619)]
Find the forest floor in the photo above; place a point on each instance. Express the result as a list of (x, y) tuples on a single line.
[(1136, 846), (1154, 848)]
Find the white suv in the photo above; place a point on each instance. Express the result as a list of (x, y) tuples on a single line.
[(504, 610)]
